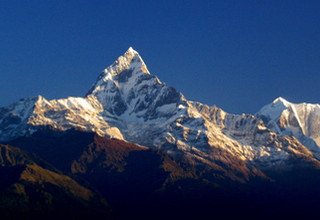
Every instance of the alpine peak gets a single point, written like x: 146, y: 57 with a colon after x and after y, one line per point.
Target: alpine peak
x: 130, y: 61
x: 122, y: 73
x: 281, y: 100
x: 131, y: 51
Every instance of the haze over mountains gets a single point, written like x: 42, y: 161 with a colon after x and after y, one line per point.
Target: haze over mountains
x: 132, y: 129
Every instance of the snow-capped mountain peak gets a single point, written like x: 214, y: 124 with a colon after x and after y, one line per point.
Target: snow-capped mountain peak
x: 122, y: 75
x: 281, y: 100
x: 126, y: 85
x: 275, y: 109
x: 130, y: 60
x: 301, y: 120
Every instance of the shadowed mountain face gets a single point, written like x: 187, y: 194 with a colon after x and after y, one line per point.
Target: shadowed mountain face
x: 28, y: 188
x: 139, y: 180
x: 80, y: 152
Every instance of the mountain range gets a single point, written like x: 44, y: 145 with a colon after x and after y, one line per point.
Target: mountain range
x: 133, y: 144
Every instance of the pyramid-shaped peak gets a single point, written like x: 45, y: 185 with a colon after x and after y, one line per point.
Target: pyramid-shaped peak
x: 274, y: 109
x: 124, y: 67
x: 129, y: 60
x: 281, y: 100
x: 131, y: 51
x: 132, y: 55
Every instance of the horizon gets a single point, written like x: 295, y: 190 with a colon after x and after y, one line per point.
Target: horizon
x: 245, y: 56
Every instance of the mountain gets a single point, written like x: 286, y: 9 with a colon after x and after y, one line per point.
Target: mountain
x: 31, y: 187
x: 141, y: 143
x: 129, y: 103
x: 299, y: 120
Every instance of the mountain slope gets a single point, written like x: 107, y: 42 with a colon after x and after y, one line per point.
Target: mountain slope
x: 299, y: 120
x: 28, y: 188
x: 140, y: 181
x: 132, y: 177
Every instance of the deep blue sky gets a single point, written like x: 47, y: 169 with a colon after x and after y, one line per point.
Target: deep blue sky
x: 238, y: 55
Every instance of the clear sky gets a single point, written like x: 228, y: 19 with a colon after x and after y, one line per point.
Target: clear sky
x: 238, y: 55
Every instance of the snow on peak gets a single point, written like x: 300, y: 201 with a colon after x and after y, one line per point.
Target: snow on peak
x: 301, y: 120
x: 131, y: 51
x: 274, y: 110
x: 282, y: 101
x: 128, y: 66
x: 119, y: 81
x: 130, y: 60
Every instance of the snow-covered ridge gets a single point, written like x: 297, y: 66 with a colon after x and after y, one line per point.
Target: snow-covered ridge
x: 128, y: 102
x: 300, y: 120
x: 24, y: 117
